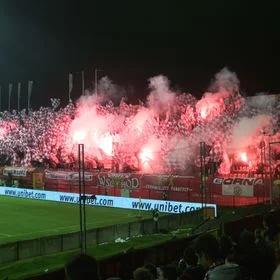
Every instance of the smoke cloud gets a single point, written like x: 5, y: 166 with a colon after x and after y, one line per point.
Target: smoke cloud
x: 222, y: 91
x: 247, y: 129
x: 161, y: 98
x: 110, y: 91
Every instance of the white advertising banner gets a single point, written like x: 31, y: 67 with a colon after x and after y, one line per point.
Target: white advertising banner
x: 67, y: 175
x: 175, y: 207
x: 15, y: 171
x: 238, y: 186
x: 238, y: 190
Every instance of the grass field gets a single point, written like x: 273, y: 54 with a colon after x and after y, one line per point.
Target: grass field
x: 26, y: 219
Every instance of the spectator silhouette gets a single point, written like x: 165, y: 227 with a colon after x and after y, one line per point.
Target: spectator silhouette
x: 259, y: 239
x: 276, y: 274
x: 188, y: 267
x: 266, y: 255
x: 169, y: 272
x: 82, y: 267
x: 249, y: 256
x: 207, y: 248
x: 152, y: 269
x: 271, y: 230
x: 142, y: 273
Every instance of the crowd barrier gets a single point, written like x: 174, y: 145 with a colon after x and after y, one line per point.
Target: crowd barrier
x: 19, y: 250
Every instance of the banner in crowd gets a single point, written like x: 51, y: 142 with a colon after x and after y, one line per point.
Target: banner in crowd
x: 131, y: 180
x: 67, y: 175
x: 119, y: 180
x: 238, y: 186
x: 150, y: 182
x: 168, y: 183
x: 238, y: 190
x: 15, y: 171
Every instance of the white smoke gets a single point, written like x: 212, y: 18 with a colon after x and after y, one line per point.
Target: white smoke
x: 263, y: 102
x: 110, y: 91
x: 225, y: 81
x: 222, y: 91
x: 161, y: 97
x: 247, y: 129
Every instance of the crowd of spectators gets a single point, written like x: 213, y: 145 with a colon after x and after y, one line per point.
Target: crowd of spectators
x: 254, y: 256
x: 42, y: 137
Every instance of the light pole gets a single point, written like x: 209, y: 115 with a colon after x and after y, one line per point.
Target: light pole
x: 263, y: 169
x: 202, y: 175
x: 82, y: 199
x: 270, y: 168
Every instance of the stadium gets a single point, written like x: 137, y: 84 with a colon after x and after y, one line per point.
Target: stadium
x: 183, y: 157
x: 139, y: 141
x: 172, y: 147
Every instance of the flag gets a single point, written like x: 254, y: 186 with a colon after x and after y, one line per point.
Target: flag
x: 30, y: 85
x: 18, y: 99
x: 10, y: 93
x: 83, y: 83
x: 70, y: 86
x: 238, y: 190
x: 0, y: 98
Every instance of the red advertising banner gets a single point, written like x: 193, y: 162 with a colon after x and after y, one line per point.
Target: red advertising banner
x: 169, y: 183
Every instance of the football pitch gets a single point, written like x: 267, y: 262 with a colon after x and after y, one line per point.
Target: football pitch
x: 23, y: 219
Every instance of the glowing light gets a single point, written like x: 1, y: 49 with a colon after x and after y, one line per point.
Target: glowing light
x: 3, y: 132
x: 204, y: 112
x: 146, y: 155
x: 79, y: 136
x: 105, y: 143
x: 243, y: 156
x: 209, y: 107
x: 6, y: 127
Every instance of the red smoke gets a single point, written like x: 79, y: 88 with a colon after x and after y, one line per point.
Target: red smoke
x: 164, y: 134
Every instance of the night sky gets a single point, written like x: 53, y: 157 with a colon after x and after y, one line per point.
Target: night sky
x: 134, y: 40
